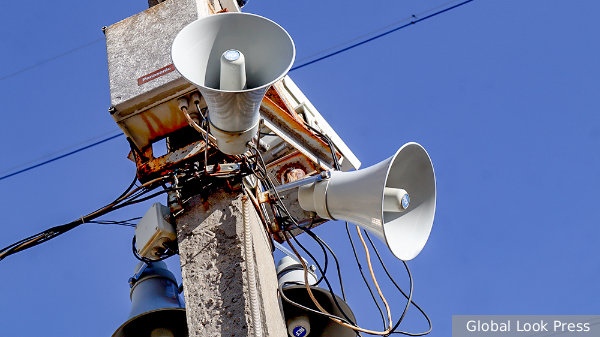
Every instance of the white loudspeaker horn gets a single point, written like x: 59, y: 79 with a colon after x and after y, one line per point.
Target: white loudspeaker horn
x: 233, y: 59
x: 394, y: 199
x: 155, y: 307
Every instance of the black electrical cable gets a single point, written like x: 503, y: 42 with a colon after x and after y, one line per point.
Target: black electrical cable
x: 50, y: 59
x: 57, y: 152
x: 285, y: 298
x: 133, y: 199
x: 325, y: 257
x: 292, y: 69
x: 409, y: 297
x: 280, y: 207
x: 336, y: 163
x: 323, y: 271
x: 143, y: 199
x: 271, y: 186
x: 125, y: 224
x: 325, y: 277
x: 410, y: 18
x: 364, y: 278
x: 128, y: 188
x: 115, y: 222
x: 167, y: 254
x: 280, y: 288
x: 60, y: 157
x: 326, y: 282
x: 201, y: 112
x: 262, y: 174
x: 316, y: 262
x: 127, y: 198
x: 337, y: 264
x: 377, y: 36
x: 37, y: 239
x: 122, y: 196
x: 337, y: 166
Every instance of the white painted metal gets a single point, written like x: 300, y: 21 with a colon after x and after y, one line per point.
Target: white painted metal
x: 301, y: 182
x: 296, y: 144
x: 358, y: 196
x: 290, y: 270
x: 269, y: 53
x: 314, y: 118
x: 231, y: 5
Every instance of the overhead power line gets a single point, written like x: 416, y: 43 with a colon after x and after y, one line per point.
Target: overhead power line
x: 60, y: 157
x: 304, y: 64
x: 129, y: 197
x: 414, y: 17
x: 378, y: 36
x: 50, y: 59
x: 56, y: 152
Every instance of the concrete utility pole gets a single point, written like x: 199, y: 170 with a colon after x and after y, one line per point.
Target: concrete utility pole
x: 215, y: 271
x: 214, y: 267
x: 226, y: 293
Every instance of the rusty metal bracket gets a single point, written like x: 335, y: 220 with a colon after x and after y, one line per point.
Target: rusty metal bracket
x: 263, y: 197
x: 154, y: 167
x: 294, y: 132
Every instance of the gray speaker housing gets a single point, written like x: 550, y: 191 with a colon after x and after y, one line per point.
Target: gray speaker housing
x: 357, y: 197
x: 319, y: 326
x: 269, y: 54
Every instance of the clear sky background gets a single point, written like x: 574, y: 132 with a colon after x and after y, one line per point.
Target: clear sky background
x: 504, y: 95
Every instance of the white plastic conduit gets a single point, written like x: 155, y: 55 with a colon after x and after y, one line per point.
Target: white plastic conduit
x: 250, y: 268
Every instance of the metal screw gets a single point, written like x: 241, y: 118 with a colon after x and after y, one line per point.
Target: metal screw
x: 112, y: 109
x: 104, y: 29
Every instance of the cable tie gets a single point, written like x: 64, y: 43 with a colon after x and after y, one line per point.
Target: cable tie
x: 82, y: 221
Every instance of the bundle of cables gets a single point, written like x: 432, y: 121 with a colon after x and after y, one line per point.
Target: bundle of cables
x: 287, y: 222
x: 284, y: 219
x: 129, y: 197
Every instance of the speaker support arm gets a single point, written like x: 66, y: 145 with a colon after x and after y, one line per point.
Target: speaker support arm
x: 301, y: 182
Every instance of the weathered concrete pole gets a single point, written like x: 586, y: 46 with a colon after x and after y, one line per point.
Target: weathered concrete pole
x: 214, y: 272
x: 211, y: 246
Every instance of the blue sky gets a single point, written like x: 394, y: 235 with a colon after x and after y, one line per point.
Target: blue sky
x: 504, y: 95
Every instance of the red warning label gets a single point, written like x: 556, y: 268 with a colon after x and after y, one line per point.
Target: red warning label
x: 156, y: 74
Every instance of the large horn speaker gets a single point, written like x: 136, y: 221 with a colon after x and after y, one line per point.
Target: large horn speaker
x: 155, y: 307
x: 303, y: 323
x: 395, y: 199
x: 233, y: 58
